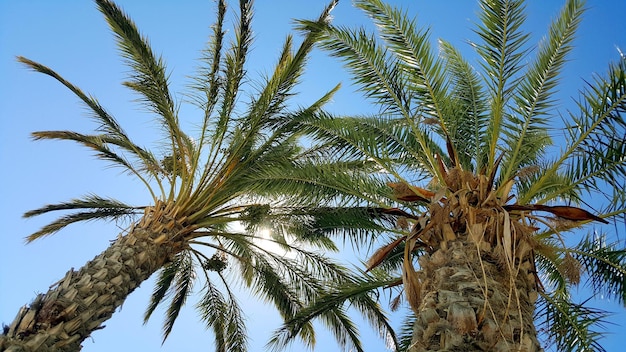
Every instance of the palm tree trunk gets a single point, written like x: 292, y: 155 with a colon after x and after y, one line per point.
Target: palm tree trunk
x: 472, y: 302
x: 79, y: 303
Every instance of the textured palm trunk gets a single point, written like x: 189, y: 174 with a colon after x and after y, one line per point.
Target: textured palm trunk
x: 471, y: 302
x: 79, y: 303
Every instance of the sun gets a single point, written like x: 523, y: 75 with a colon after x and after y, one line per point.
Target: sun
x: 264, y: 238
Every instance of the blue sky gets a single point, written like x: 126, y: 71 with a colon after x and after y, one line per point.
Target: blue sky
x: 72, y: 38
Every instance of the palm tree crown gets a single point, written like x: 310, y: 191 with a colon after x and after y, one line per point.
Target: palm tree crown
x: 481, y: 144
x: 246, y: 166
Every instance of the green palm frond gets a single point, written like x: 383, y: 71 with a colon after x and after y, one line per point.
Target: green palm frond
x: 162, y: 286
x: 375, y: 72
x: 224, y: 80
x: 572, y: 326
x: 466, y: 117
x: 224, y: 317
x: 271, y: 100
x: 381, y: 74
x: 502, y: 51
x: 568, y: 325
x: 315, y: 183
x: 97, y: 143
x: 388, y: 142
x: 98, y: 208
x: 370, y: 308
x: 106, y: 122
x: 525, y: 131
x: 605, y: 266
x: 208, y: 81
x: 88, y: 202
x: 419, y: 64
x: 556, y: 183
x: 405, y: 335
x: 148, y: 76
x: 234, y: 64
x: 594, y: 156
x: 329, y: 308
x: 597, y: 135
x: 278, y: 280
x: 356, y: 224
x: 183, y: 284
x: 236, y: 334
x: 64, y: 221
x: 344, y: 329
x: 112, y: 131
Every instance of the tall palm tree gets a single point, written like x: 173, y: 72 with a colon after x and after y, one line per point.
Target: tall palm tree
x: 486, y: 179
x: 201, y: 188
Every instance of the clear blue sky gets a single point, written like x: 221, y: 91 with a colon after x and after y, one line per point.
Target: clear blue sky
x: 72, y: 38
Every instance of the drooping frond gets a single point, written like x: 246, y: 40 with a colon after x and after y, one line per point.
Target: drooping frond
x: 236, y: 335
x: 330, y: 309
x: 605, y: 266
x: 97, y: 208
x: 98, y: 143
x: 343, y: 328
x: 162, y: 286
x: 183, y: 284
x: 568, y: 325
x: 405, y: 335
x: 112, y: 131
x: 370, y: 309
x: 276, y: 280
x: 224, y: 317
x: 106, y: 122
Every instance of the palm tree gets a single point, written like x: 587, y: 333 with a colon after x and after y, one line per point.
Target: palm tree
x: 483, y: 179
x: 201, y: 188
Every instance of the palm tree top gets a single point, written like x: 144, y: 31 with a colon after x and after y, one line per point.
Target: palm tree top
x: 245, y: 165
x: 470, y: 148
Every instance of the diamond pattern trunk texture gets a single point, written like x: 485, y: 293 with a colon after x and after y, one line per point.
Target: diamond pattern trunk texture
x: 79, y: 303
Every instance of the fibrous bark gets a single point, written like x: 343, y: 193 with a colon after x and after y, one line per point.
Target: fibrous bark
x: 476, y: 285
x: 78, y: 304
x: 468, y: 303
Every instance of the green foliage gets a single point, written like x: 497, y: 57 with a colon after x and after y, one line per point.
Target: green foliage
x: 249, y: 167
x: 246, y: 167
x: 605, y: 265
x: 496, y: 120
x: 570, y: 325
x: 331, y: 308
